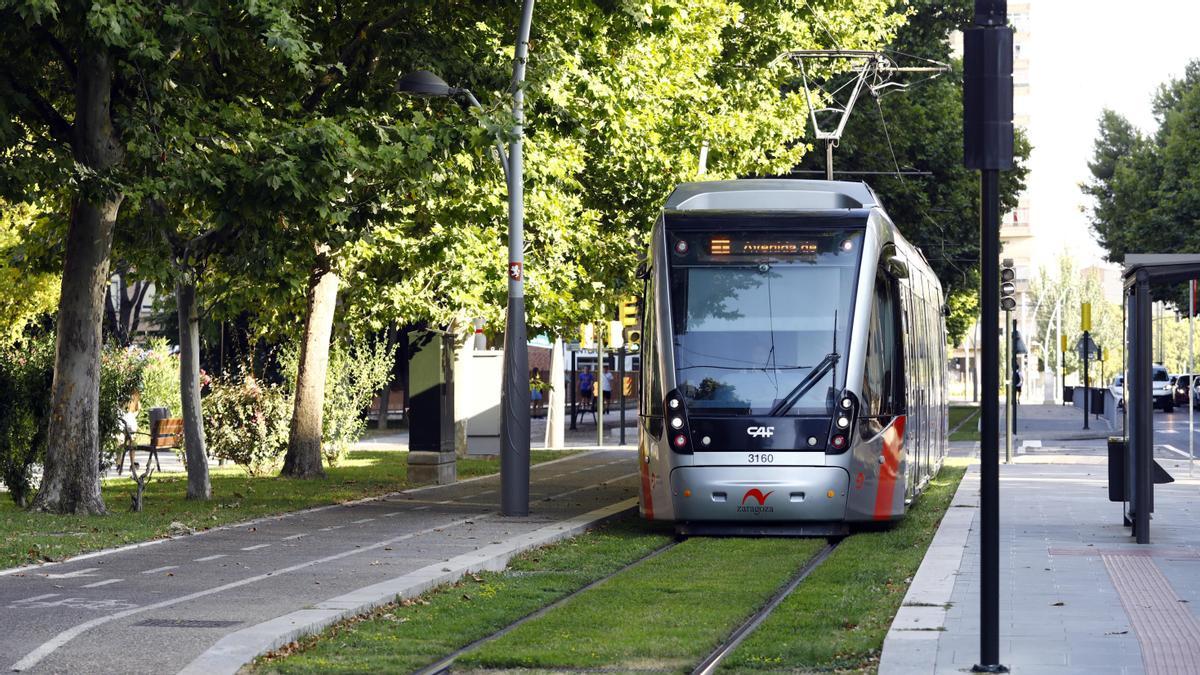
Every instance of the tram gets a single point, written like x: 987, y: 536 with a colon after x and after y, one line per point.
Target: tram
x: 793, y: 361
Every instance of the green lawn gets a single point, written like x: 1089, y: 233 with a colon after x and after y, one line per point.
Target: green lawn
x: 406, y: 636
x: 32, y: 537
x: 964, y: 423
x: 666, y: 614
x: 836, y: 620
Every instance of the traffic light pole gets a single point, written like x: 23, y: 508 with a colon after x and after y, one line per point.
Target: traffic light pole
x: 1009, y: 408
x: 988, y: 147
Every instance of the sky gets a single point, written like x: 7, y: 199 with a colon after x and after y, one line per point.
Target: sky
x: 1087, y: 55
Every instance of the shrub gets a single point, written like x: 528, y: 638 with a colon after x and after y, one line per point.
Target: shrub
x: 160, y: 381
x: 26, y: 375
x: 26, y: 372
x: 354, y: 374
x: 247, y: 422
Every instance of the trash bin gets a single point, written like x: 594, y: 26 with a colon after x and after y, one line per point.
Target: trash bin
x: 1118, y: 451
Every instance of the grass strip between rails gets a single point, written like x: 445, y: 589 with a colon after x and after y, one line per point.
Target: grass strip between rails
x: 666, y: 614
x: 415, y: 633
x: 35, y: 537
x: 964, y: 423
x: 837, y: 619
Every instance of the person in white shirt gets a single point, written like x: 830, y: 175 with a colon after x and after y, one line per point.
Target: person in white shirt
x: 606, y: 384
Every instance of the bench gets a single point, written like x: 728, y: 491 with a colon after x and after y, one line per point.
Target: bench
x: 165, y: 434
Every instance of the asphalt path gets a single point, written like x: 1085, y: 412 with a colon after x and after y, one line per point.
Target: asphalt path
x: 155, y: 608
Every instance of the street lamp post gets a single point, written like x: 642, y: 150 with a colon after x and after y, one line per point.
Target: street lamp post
x: 514, y: 401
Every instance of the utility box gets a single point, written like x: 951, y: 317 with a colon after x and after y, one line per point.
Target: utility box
x: 431, y: 456
x: 477, y: 400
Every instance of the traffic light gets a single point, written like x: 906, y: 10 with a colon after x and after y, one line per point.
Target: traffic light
x: 1008, y: 287
x: 627, y: 312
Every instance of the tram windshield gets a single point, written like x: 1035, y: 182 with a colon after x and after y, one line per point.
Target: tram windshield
x: 761, y: 318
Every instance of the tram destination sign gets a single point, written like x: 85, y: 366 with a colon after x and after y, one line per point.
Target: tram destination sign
x: 720, y: 246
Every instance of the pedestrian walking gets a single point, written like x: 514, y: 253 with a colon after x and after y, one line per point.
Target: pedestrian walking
x: 606, y: 385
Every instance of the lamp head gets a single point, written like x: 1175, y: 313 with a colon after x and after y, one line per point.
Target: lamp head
x: 424, y: 83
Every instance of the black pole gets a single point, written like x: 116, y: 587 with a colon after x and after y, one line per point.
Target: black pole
x: 989, y: 606
x: 1012, y: 390
x: 1143, y: 413
x: 988, y: 146
x: 1086, y: 391
x: 621, y: 384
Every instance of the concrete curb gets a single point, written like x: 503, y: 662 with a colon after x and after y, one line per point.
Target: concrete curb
x: 237, y: 649
x: 911, y: 642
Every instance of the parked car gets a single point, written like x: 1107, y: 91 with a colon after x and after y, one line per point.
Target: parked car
x: 1183, y: 386
x: 1118, y: 390
x: 1164, y: 393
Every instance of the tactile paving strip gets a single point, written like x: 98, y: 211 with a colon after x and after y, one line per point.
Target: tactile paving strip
x: 1166, y: 629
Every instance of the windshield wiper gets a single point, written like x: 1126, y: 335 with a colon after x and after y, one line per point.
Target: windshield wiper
x: 815, y: 375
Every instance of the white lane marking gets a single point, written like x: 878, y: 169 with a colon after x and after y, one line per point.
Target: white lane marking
x: 210, y: 557
x: 295, y: 536
x: 593, y: 485
x: 422, y: 508
x: 164, y: 568
x: 46, y: 648
x: 255, y: 547
x: 485, y: 492
x: 445, y: 501
x: 77, y: 573
x: 38, y: 597
x: 1174, y: 450
x: 331, y: 527
x: 361, y: 520
x: 106, y: 582
x: 393, y: 513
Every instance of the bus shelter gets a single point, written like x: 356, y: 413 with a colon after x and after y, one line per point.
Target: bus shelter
x: 1141, y: 471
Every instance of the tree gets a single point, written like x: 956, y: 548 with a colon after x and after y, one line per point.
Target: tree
x: 920, y: 129
x: 28, y: 286
x: 1146, y: 189
x: 71, y: 90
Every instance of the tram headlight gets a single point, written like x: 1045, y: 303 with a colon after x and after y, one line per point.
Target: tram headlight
x: 680, y: 440
x: 673, y: 404
x: 847, y: 403
x: 838, y: 442
x: 843, y: 422
x: 676, y: 422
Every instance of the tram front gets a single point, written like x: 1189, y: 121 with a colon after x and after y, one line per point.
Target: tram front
x: 754, y: 312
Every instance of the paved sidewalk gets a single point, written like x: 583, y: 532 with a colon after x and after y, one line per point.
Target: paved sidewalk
x: 217, y: 599
x: 1076, y: 595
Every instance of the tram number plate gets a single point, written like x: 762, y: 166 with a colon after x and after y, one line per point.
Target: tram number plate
x: 761, y: 458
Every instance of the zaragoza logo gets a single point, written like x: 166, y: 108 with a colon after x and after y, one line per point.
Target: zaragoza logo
x: 759, y: 497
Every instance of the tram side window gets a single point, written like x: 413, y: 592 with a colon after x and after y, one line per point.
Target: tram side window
x: 652, y: 397
x: 882, y: 378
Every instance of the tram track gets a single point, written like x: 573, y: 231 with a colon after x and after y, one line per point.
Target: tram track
x: 445, y: 664
x: 713, y: 660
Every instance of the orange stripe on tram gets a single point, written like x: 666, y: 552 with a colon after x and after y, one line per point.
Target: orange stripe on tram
x: 889, y: 471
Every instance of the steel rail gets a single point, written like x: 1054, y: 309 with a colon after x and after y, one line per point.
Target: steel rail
x: 714, y: 659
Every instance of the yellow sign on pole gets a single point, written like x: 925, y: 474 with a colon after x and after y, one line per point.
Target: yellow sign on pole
x: 1085, y: 317
x: 1063, y: 340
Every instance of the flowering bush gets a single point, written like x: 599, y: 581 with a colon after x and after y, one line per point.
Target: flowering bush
x: 246, y: 422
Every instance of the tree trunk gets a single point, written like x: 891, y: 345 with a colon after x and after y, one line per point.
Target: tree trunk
x: 189, y: 388
x: 303, y: 458
x: 71, y: 477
